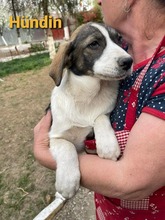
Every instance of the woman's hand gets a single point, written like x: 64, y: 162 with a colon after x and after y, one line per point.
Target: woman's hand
x: 41, y: 142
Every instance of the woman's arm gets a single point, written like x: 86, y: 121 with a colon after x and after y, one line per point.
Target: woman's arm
x: 141, y: 169
x: 137, y: 174
x: 41, y: 142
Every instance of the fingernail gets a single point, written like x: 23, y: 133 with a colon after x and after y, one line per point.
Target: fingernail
x: 48, y: 109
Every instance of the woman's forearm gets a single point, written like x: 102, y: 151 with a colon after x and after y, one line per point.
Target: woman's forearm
x: 133, y: 176
x: 101, y: 175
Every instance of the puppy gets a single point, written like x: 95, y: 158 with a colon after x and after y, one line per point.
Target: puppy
x: 86, y: 71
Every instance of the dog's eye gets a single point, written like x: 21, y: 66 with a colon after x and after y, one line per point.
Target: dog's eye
x: 94, y: 45
x: 119, y: 40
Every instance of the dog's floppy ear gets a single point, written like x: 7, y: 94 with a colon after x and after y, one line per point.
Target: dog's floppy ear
x: 59, y: 62
x: 63, y: 58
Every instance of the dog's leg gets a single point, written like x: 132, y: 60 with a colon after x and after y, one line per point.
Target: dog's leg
x: 67, y: 172
x: 106, y: 142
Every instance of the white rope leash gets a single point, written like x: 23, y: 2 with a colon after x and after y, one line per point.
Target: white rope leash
x: 49, y: 212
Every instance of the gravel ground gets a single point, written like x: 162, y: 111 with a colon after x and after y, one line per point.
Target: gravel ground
x: 80, y: 207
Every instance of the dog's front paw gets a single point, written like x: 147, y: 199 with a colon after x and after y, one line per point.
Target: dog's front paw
x: 108, y: 147
x: 67, y: 181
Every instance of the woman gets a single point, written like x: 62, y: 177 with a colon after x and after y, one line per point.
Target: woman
x: 133, y: 186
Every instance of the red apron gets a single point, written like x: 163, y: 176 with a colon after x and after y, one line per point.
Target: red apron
x: 150, y: 208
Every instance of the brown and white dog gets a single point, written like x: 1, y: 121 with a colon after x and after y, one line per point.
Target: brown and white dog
x: 86, y: 71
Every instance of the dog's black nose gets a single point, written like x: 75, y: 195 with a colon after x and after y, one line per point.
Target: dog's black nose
x: 125, y: 63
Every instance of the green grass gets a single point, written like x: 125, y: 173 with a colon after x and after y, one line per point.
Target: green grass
x: 24, y: 64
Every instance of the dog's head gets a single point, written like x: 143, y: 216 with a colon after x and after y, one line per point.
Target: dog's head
x: 92, y: 50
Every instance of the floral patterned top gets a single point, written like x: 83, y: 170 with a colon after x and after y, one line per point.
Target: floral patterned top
x: 150, y: 98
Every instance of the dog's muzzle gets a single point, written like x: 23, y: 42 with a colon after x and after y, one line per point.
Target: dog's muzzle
x: 125, y: 63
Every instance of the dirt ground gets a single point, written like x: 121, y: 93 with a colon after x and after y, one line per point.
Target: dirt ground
x: 25, y: 186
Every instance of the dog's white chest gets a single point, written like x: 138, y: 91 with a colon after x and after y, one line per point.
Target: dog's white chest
x: 80, y: 104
